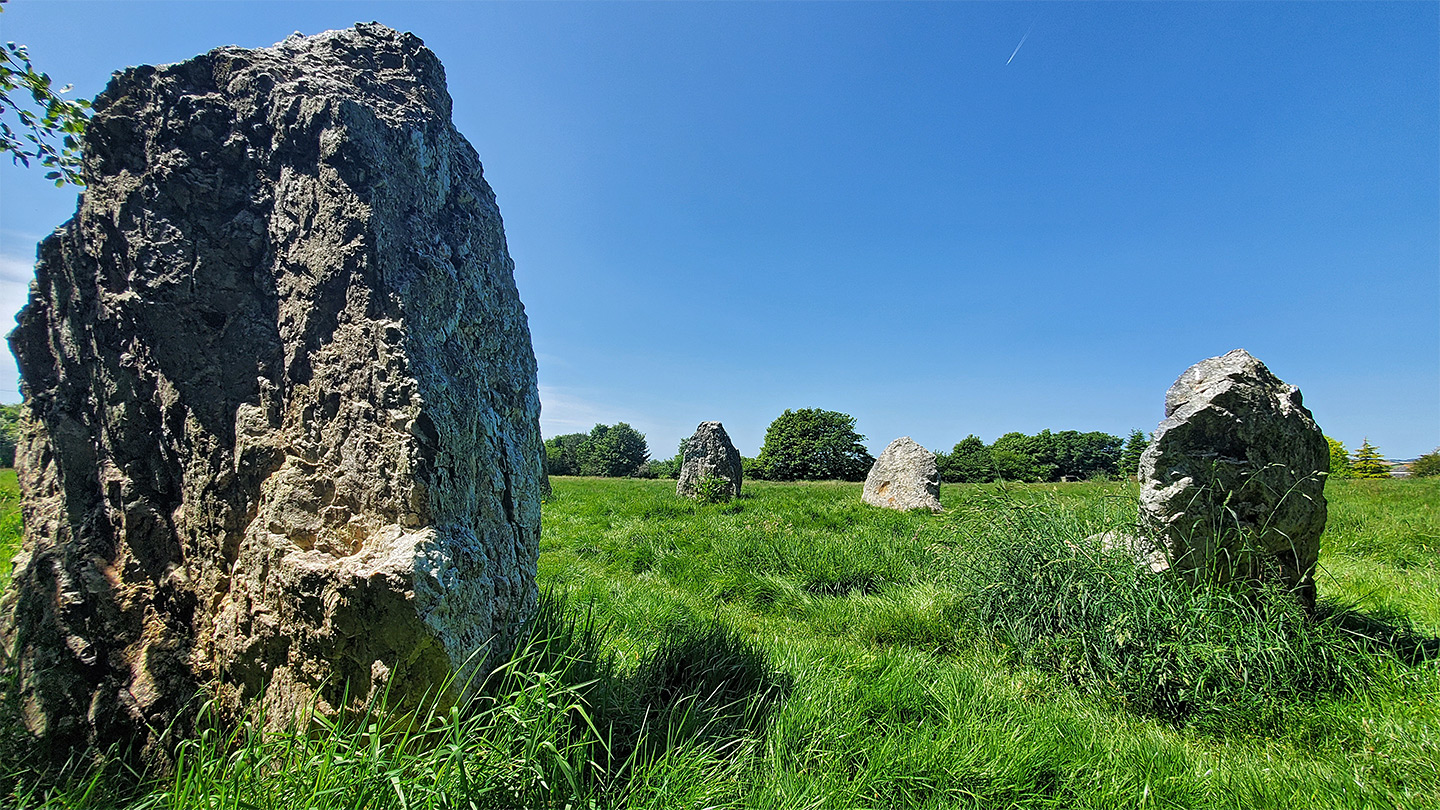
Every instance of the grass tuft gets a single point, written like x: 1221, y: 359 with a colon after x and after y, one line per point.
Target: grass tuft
x: 1039, y: 587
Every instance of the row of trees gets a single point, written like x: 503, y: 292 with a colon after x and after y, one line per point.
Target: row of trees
x: 1045, y: 456
x: 1367, y: 462
x: 811, y: 444
x: 1068, y: 454
x: 805, y: 445
x: 614, y: 452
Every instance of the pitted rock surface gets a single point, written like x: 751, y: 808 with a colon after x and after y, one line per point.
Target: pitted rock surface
x: 904, y: 477
x: 709, y: 453
x: 281, y: 422
x: 1232, y: 484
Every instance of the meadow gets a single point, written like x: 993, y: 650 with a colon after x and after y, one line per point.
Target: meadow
x: 795, y: 648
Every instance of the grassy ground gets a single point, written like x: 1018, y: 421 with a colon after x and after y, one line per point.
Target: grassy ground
x: 901, y: 699
x: 9, y: 523
x: 797, y: 649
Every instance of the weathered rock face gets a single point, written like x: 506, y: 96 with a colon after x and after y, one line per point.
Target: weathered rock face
x: 904, y: 477
x: 709, y: 453
x: 1232, y: 484
x: 281, y: 418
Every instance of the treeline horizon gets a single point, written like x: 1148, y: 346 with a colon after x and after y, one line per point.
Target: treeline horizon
x: 814, y: 444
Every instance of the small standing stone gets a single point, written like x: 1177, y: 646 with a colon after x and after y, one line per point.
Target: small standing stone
x: 904, y: 477
x: 1232, y: 484
x: 709, y: 453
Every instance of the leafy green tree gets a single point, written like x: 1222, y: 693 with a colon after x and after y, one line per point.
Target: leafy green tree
x: 614, y: 452
x: 1052, y: 456
x: 1427, y: 465
x: 562, y: 453
x: 1368, y: 463
x: 9, y: 433
x: 1014, y: 442
x: 1134, y: 448
x: 968, y: 462
x: 593, y: 461
x: 1012, y: 465
x: 814, y: 445
x: 1040, y: 448
x: 1080, y: 455
x: 40, y: 121
x: 1014, y: 456
x: 1339, y: 459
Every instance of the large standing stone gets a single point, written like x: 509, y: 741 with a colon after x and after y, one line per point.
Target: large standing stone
x: 281, y: 423
x: 709, y: 453
x: 904, y: 477
x: 1232, y: 484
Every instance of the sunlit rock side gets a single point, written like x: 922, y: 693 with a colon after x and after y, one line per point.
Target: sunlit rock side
x: 1232, y: 483
x: 709, y: 454
x: 281, y: 422
x: 904, y: 477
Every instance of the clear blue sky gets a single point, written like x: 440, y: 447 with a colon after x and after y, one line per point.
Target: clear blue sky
x: 719, y: 211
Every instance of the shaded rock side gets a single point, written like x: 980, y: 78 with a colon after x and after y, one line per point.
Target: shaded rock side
x: 709, y: 453
x: 904, y: 477
x: 281, y: 422
x: 1232, y: 484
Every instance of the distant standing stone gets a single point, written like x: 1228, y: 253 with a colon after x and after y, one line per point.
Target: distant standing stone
x: 1232, y: 484
x: 904, y: 477
x: 709, y: 453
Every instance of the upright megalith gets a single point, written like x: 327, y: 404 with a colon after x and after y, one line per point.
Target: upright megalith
x: 709, y: 454
x: 281, y: 433
x: 904, y: 477
x: 1232, y: 483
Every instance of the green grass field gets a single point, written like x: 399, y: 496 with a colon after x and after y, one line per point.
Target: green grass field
x: 9, y: 523
x: 797, y: 649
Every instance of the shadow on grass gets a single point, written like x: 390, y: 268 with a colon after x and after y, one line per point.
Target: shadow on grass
x: 702, y: 684
x: 1381, y: 631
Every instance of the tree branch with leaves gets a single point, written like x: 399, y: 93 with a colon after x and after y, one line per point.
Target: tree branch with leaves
x: 45, y: 127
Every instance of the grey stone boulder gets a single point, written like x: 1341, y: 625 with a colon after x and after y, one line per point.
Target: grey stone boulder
x: 709, y: 453
x: 1232, y: 483
x: 281, y: 439
x: 904, y: 477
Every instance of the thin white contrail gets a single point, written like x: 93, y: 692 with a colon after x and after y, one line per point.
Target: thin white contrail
x: 1022, y: 42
